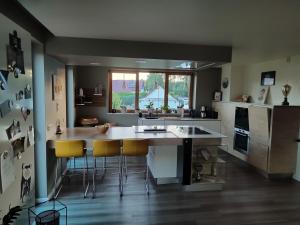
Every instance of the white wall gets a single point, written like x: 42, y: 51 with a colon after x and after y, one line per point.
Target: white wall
x: 286, y: 73
x: 246, y: 80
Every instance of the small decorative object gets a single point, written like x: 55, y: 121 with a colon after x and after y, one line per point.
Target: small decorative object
x: 203, y: 111
x: 217, y: 96
x: 245, y: 98
x: 286, y: 89
x: 12, y: 214
x: 262, y: 95
x: 180, y: 110
x: 268, y: 78
x: 51, y: 212
x: 225, y: 82
x: 123, y: 108
x: 103, y: 128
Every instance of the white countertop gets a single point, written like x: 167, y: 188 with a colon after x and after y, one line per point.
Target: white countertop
x: 181, y: 119
x: 119, y: 133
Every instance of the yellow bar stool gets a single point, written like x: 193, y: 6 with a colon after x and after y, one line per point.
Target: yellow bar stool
x: 69, y: 149
x: 105, y: 148
x: 133, y: 147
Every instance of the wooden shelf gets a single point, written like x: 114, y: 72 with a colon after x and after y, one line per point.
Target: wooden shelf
x: 89, y: 98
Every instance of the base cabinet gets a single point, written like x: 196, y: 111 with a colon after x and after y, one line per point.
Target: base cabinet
x: 258, y: 155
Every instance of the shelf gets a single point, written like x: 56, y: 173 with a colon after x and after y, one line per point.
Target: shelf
x: 89, y: 98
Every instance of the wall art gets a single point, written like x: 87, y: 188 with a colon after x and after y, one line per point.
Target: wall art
x: 5, y: 108
x: 57, y: 87
x: 20, y: 95
x: 30, y: 136
x: 18, y: 147
x: 15, y: 56
x: 25, y: 181
x: 25, y: 112
x: 262, y: 95
x: 13, y: 129
x: 7, y: 171
x: 268, y: 78
x: 3, y: 79
x: 27, y: 92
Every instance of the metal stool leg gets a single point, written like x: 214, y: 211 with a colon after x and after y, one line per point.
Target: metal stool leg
x: 121, y: 176
x: 94, y: 175
x: 85, y: 176
x: 147, y: 176
x: 56, y: 193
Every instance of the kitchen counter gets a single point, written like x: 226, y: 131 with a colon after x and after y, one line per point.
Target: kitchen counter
x: 180, y: 118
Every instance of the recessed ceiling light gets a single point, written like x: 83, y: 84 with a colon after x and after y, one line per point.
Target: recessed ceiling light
x: 95, y: 63
x: 141, y: 61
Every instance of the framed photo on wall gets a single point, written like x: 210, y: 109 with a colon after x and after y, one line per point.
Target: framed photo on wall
x: 217, y: 96
x: 268, y: 78
x: 262, y: 95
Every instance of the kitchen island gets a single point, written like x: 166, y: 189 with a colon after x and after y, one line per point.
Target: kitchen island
x: 196, y: 148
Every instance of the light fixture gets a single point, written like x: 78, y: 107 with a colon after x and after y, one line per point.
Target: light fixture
x: 95, y: 63
x: 141, y: 61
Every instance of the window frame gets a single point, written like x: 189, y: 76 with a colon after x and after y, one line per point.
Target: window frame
x: 137, y: 71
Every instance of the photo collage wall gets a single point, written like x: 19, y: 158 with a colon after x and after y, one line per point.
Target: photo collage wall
x: 16, y: 122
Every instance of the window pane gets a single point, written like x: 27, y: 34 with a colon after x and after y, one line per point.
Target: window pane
x: 151, y: 89
x: 179, y: 91
x: 123, y: 90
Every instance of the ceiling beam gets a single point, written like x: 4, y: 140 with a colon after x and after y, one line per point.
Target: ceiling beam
x: 59, y: 46
x: 17, y: 13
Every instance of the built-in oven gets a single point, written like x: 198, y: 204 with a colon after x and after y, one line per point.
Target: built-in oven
x: 241, y: 130
x: 241, y: 140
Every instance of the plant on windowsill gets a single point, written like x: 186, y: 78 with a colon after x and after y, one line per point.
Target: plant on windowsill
x: 165, y: 109
x: 150, y: 107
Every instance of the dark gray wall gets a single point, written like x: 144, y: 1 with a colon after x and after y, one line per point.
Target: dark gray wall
x: 89, y: 76
x: 208, y: 81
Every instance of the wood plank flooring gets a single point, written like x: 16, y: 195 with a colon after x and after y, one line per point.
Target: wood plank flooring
x: 248, y: 199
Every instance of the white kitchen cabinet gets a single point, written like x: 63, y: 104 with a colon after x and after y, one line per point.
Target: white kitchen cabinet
x: 162, y: 161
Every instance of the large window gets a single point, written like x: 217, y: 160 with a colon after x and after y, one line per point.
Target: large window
x: 136, y: 90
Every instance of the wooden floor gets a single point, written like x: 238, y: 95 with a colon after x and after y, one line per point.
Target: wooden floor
x: 248, y: 198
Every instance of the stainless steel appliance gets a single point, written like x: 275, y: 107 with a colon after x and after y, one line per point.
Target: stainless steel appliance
x: 241, y: 130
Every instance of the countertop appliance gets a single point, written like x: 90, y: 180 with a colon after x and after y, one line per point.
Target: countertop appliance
x: 241, y: 130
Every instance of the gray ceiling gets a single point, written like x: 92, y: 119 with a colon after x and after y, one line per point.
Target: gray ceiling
x: 257, y: 29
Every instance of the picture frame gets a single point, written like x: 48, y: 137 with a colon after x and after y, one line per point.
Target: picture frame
x: 262, y: 95
x: 268, y: 78
x: 218, y: 96
x: 56, y: 87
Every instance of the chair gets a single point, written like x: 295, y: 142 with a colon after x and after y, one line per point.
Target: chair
x: 105, y: 148
x: 133, y: 147
x: 69, y: 149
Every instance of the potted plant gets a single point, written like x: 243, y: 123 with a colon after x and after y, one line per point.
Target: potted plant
x: 165, y: 109
x: 150, y: 107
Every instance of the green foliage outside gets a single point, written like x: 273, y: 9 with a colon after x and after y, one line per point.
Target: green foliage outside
x: 123, y: 98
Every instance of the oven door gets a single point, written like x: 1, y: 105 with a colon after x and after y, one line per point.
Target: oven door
x: 241, y: 139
